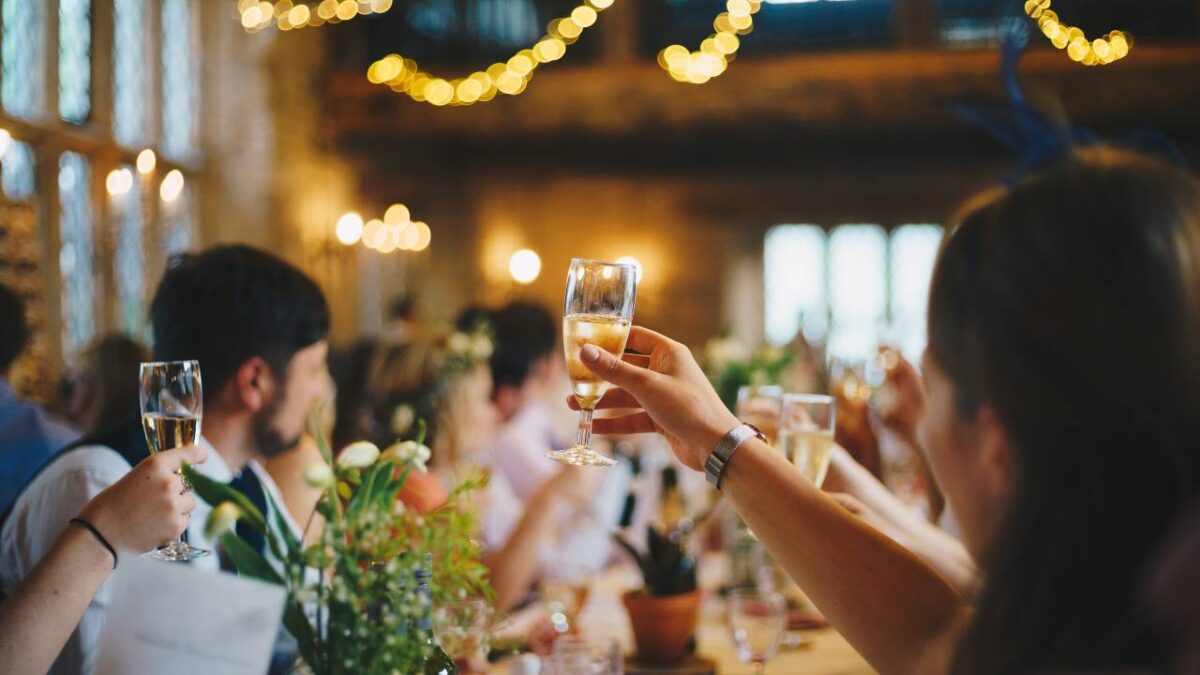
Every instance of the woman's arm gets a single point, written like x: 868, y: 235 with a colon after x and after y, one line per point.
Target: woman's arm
x: 867, y: 498
x: 144, y: 509
x: 897, y: 611
x: 515, y: 564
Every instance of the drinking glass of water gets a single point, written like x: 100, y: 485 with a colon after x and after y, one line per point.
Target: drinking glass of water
x: 757, y: 621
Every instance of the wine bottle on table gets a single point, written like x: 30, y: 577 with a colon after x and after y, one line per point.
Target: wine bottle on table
x: 438, y: 662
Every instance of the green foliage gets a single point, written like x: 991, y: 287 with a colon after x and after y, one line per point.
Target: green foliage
x: 359, y: 600
x: 730, y: 367
x: 666, y: 568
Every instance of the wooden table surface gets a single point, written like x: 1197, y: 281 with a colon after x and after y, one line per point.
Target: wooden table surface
x: 604, y: 616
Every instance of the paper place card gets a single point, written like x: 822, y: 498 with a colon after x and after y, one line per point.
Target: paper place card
x: 173, y: 618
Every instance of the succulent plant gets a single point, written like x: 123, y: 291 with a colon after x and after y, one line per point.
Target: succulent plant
x: 666, y: 568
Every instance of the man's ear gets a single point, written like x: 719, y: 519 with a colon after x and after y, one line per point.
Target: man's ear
x: 254, y: 384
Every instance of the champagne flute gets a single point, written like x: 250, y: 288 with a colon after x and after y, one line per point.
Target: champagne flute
x: 806, y: 433
x: 760, y: 406
x: 757, y: 622
x: 599, y: 311
x: 172, y: 407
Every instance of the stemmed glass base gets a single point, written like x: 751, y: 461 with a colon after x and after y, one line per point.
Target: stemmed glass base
x: 580, y: 456
x: 177, y: 551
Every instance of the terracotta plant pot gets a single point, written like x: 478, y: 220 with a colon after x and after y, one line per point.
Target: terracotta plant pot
x: 662, y: 626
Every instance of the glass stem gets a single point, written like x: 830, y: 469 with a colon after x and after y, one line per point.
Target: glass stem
x: 583, y: 438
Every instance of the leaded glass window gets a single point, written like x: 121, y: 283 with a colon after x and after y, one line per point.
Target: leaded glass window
x: 74, y: 60
x: 75, y: 256
x: 23, y: 86
x: 857, y: 290
x: 129, y: 73
x: 130, y: 259
x: 179, y: 227
x: 18, y: 169
x: 854, y: 287
x: 913, y: 251
x: 178, y: 79
x: 794, y: 264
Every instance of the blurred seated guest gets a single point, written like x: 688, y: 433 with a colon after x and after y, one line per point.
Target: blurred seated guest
x: 29, y: 437
x: 447, y: 383
x: 351, y: 370
x: 104, y: 387
x: 403, y: 321
x: 144, y: 509
x: 257, y: 326
x: 1065, y: 459
x: 525, y: 363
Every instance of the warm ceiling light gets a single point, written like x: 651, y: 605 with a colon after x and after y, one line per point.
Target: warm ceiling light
x: 349, y: 228
x: 424, y: 236
x: 146, y: 161
x: 524, y: 266
x: 397, y: 214
x: 172, y: 186
x: 637, y: 265
x: 119, y: 182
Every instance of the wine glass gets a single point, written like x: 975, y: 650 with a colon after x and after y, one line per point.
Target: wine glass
x: 603, y: 655
x: 172, y: 407
x: 756, y: 622
x: 598, y: 311
x: 760, y: 406
x: 462, y: 629
x: 806, y: 426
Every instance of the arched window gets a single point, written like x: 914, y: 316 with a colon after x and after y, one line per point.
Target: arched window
x: 75, y: 256
x: 74, y: 60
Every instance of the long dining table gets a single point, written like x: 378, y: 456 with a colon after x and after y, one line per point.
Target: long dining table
x: 820, y: 652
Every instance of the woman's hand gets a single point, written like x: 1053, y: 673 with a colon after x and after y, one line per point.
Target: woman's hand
x: 663, y: 390
x: 148, y: 506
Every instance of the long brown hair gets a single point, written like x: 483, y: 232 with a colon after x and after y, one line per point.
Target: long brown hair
x: 1069, y: 304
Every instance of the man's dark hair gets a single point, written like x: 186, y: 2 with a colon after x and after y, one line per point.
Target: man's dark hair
x: 523, y: 332
x: 473, y: 318
x: 14, y: 330
x: 231, y: 303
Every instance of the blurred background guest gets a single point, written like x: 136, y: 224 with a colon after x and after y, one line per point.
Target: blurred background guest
x: 102, y: 390
x: 29, y: 437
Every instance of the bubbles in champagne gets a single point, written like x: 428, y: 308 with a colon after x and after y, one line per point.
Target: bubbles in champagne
x: 606, y: 332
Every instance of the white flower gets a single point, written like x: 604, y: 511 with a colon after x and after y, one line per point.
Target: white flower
x: 481, y: 348
x: 358, y: 455
x: 407, y: 452
x: 719, y: 353
x: 458, y: 343
x: 402, y: 419
x: 221, y: 520
x: 318, y: 475
x: 398, y: 508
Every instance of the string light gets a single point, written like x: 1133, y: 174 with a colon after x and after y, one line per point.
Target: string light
x: 1101, y: 51
x: 257, y: 15
x: 717, y: 50
x: 349, y: 228
x: 404, y: 75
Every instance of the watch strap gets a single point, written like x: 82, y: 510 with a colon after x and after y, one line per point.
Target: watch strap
x: 718, y: 461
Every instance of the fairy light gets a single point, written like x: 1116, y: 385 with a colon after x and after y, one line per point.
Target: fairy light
x: 1098, y: 52
x: 257, y: 15
x: 511, y: 77
x: 712, y: 58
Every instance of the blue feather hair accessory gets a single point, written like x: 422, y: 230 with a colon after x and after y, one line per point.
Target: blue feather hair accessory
x: 1036, y: 139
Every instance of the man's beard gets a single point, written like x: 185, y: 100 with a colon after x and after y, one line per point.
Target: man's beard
x: 270, y: 442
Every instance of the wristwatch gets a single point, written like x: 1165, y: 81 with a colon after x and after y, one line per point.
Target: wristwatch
x: 714, y: 467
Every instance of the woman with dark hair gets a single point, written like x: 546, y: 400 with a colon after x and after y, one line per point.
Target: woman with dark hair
x: 1063, y: 425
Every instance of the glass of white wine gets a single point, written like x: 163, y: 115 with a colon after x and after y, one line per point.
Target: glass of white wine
x: 761, y: 406
x: 598, y: 311
x: 806, y: 424
x: 172, y: 407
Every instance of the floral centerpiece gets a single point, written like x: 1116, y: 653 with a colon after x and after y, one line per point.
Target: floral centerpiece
x: 361, y: 597
x: 730, y: 365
